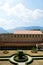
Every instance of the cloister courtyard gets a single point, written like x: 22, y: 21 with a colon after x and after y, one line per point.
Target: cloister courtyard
x: 11, y: 52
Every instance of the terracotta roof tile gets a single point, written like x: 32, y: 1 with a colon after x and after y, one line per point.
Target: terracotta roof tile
x: 27, y: 32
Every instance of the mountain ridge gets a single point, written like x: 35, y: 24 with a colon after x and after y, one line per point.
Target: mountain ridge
x: 21, y: 28
x: 2, y: 30
x: 26, y: 28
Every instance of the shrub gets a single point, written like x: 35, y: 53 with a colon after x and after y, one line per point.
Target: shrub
x: 5, y: 52
x: 21, y: 54
x: 34, y: 50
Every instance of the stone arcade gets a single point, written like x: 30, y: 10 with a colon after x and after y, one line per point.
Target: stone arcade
x: 22, y: 39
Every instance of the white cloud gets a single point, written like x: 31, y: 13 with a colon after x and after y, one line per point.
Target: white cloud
x: 37, y: 13
x: 6, y: 8
x: 6, y: 24
x: 21, y: 12
x: 9, y: 24
x: 0, y: 3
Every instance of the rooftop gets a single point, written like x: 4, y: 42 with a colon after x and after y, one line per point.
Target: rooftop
x: 27, y: 32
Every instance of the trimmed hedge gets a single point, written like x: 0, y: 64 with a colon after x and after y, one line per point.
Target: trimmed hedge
x: 21, y: 60
x: 16, y: 63
x: 5, y: 56
x: 29, y: 62
x: 13, y: 62
x: 37, y: 56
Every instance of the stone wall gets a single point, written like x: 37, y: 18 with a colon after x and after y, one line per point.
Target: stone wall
x: 21, y: 38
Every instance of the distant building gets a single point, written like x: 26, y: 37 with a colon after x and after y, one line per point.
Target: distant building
x: 22, y: 39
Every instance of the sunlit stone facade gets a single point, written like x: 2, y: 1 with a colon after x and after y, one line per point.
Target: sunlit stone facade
x: 21, y: 39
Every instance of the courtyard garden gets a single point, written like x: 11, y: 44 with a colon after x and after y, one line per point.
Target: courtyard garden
x: 10, y: 56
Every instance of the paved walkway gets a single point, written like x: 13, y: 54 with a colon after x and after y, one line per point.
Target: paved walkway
x: 22, y: 63
x: 37, y: 57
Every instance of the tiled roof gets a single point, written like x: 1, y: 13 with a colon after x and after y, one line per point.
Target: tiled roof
x: 27, y: 32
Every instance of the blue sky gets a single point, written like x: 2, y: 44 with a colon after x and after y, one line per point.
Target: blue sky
x: 16, y: 13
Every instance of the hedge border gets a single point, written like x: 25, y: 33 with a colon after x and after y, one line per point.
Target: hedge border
x: 21, y: 60
x: 25, y: 61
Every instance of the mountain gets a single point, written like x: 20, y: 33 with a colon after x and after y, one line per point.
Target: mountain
x: 2, y: 30
x: 30, y: 28
x: 21, y: 28
x: 10, y: 30
x: 26, y: 28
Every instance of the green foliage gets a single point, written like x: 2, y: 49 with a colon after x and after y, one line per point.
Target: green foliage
x: 5, y: 52
x: 7, y: 33
x: 34, y: 50
x: 25, y: 58
x: 21, y: 54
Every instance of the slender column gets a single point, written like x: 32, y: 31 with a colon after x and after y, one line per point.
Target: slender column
x: 37, y: 47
